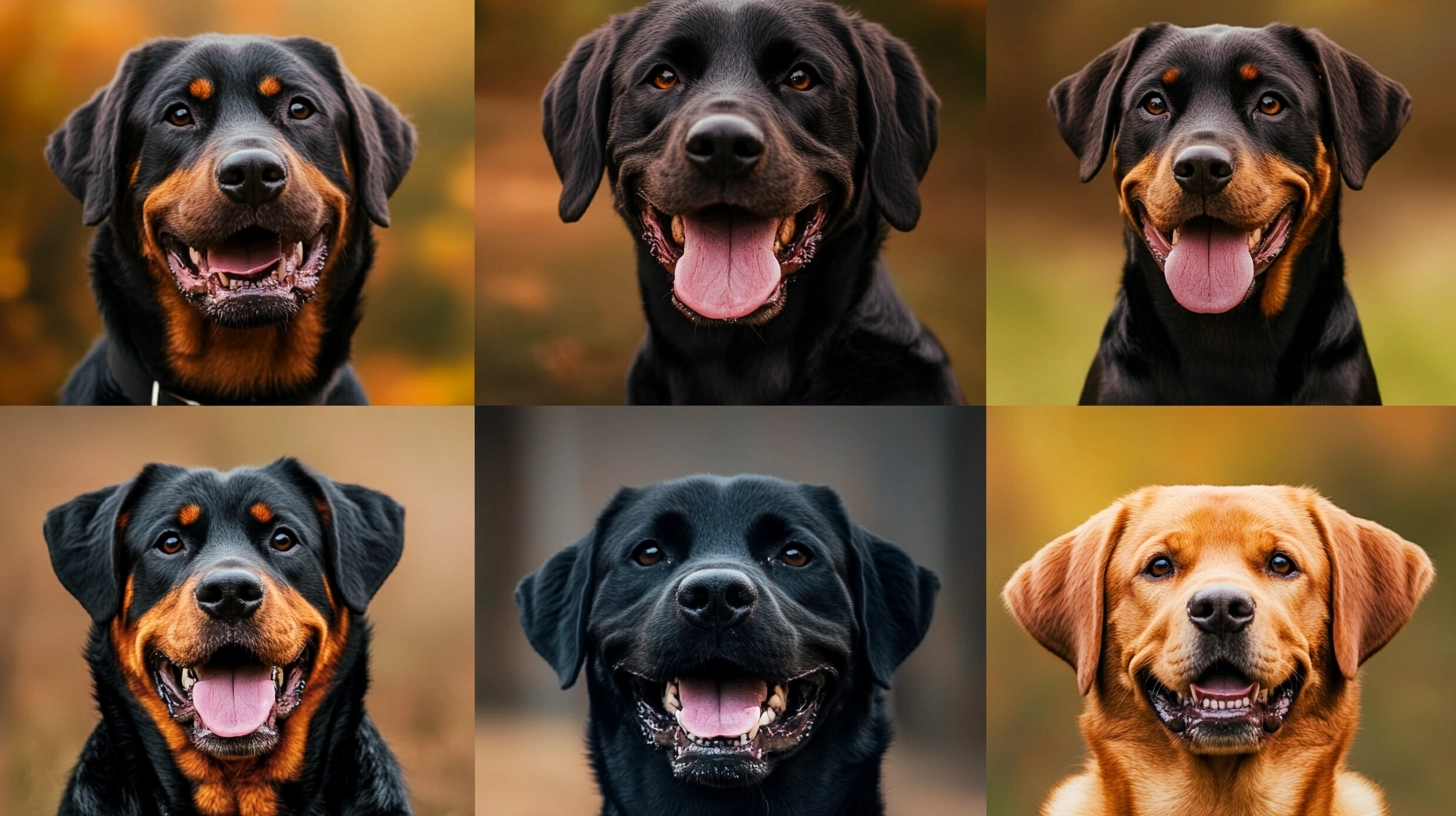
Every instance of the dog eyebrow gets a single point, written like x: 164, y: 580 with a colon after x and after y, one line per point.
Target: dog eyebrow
x: 261, y: 512
x: 270, y: 86
x: 200, y: 88
x: 1170, y: 76
x: 189, y: 514
x: 1249, y: 72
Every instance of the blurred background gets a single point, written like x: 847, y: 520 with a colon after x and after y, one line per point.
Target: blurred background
x: 559, y: 316
x: 421, y: 667
x: 1055, y: 247
x: 1049, y: 469
x: 912, y: 476
x: 415, y: 345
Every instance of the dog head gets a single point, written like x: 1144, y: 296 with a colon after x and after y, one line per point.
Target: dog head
x: 227, y: 597
x: 737, y: 136
x: 1219, y: 615
x: 728, y: 617
x: 242, y: 163
x: 1227, y: 143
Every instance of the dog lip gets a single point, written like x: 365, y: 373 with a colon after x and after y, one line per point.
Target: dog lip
x: 1267, y: 243
x: 175, y: 680
x: 1217, y: 698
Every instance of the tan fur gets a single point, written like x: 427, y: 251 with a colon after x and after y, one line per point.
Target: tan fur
x: 1084, y: 597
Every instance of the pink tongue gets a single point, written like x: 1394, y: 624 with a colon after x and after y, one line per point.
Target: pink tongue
x: 1210, y: 269
x: 252, y: 250
x: 726, y: 708
x: 233, y: 701
x: 727, y: 268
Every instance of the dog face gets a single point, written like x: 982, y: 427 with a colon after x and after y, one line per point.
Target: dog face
x: 728, y: 619
x: 240, y: 171
x: 226, y: 598
x: 1226, y: 143
x: 1233, y: 616
x: 737, y: 136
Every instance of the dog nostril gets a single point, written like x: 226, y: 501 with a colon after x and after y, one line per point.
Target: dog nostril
x: 693, y: 597
x: 231, y: 176
x: 739, y: 596
x: 701, y: 146
x: 748, y: 148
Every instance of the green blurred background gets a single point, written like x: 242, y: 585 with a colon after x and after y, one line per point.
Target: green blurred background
x: 1049, y: 469
x: 421, y: 655
x: 559, y: 316
x: 415, y: 344
x: 1055, y: 246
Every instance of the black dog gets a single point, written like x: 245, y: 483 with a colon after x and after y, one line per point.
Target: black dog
x: 234, y: 179
x: 229, y: 645
x: 737, y: 634
x: 1230, y: 143
x: 758, y: 150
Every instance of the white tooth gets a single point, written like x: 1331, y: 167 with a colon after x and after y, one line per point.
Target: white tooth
x: 1254, y: 238
x: 195, y: 256
x: 678, y: 234
x: 766, y: 717
x: 298, y: 253
x: 752, y: 732
x: 787, y: 227
x: 1244, y: 703
x: 224, y: 278
x: 188, y: 678
x: 1197, y: 700
x: 1177, y: 233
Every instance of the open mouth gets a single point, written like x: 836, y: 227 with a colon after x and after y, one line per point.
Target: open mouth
x: 1210, y: 265
x: 721, y: 727
x: 251, y: 263
x: 231, y: 705
x: 1224, y: 711
x: 729, y: 264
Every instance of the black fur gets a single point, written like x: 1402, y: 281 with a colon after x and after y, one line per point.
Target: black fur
x: 100, y: 540
x: 123, y: 129
x: 1312, y: 350
x: 862, y: 137
x: 858, y: 607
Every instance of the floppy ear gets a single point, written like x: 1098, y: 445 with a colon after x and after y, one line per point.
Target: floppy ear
x: 384, y: 141
x: 1378, y: 578
x: 1087, y: 104
x: 1367, y: 109
x: 899, y: 123
x: 86, y: 153
x: 556, y: 600
x: 1057, y: 595
x: 363, y: 532
x: 575, y: 110
x: 84, y: 538
x: 894, y: 599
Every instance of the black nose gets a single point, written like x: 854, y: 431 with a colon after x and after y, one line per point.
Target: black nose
x: 1203, y: 169
x: 254, y: 176
x: 1221, y: 610
x: 724, y: 146
x: 230, y: 595
x: 716, y: 598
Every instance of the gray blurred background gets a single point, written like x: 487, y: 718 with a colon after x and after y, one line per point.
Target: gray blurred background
x: 421, y: 666
x: 912, y: 475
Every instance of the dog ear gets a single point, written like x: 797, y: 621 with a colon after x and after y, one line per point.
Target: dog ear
x: 363, y: 531
x: 384, y: 141
x: 84, y: 538
x: 1087, y: 104
x: 555, y: 601
x: 899, y: 122
x: 1057, y: 595
x: 1378, y: 579
x: 87, y: 152
x: 1366, y: 108
x: 575, y: 110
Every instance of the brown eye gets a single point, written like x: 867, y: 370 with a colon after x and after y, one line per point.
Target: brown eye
x: 801, y: 80
x: 1281, y: 564
x: 794, y: 555
x: 179, y: 115
x: 169, y: 543
x: 1159, y: 567
x: 1155, y: 105
x: 664, y: 78
x: 282, y: 541
x: 300, y: 109
x: 1269, y: 105
x: 647, y: 553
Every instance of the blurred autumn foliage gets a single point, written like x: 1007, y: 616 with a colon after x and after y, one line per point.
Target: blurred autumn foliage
x: 415, y: 344
x: 559, y: 316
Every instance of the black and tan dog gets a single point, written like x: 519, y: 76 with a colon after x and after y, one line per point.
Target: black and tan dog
x: 229, y: 645
x: 234, y: 180
x: 1228, y: 146
x: 758, y: 151
x: 737, y: 635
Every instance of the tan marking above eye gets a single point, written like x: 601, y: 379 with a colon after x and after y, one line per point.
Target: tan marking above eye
x: 200, y: 88
x: 269, y: 86
x: 1170, y: 76
x: 261, y: 512
x: 189, y: 514
x: 1249, y: 72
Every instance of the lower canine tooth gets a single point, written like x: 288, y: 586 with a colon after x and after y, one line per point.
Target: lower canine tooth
x: 1177, y: 233
x: 678, y: 235
x: 195, y: 256
x: 787, y: 228
x: 752, y: 732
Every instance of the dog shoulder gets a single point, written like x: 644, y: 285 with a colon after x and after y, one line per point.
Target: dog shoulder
x: 1357, y: 796
x: 1079, y: 795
